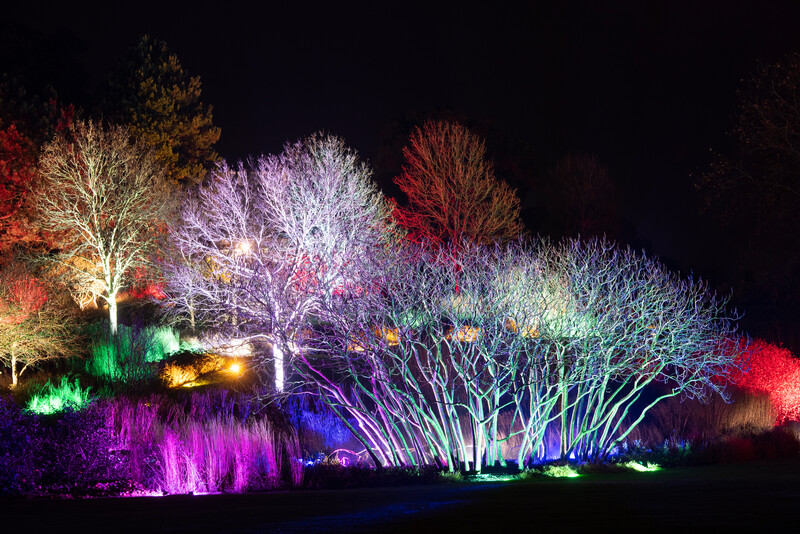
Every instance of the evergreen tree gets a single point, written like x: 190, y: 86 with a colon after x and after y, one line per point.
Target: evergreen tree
x: 150, y: 92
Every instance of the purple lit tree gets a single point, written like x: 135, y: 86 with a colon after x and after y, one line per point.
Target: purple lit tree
x: 262, y: 247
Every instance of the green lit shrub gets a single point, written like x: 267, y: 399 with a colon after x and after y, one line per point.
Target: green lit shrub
x: 128, y: 356
x: 67, y: 395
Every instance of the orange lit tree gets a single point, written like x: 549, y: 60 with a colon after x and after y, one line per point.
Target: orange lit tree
x: 452, y: 191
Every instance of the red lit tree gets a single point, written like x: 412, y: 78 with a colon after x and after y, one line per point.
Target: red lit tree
x: 452, y: 191
x: 35, y: 326
x: 25, y: 124
x: 775, y: 371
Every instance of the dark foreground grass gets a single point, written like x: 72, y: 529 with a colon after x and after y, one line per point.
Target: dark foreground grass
x: 749, y: 497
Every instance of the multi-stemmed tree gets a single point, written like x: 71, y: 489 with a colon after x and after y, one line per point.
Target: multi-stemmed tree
x: 444, y: 361
x: 102, y: 197
x: 263, y: 246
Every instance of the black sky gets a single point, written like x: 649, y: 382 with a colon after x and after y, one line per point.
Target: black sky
x: 648, y: 86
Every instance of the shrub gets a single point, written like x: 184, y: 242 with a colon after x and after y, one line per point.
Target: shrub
x: 128, y: 356
x: 66, y: 396
x: 774, y: 371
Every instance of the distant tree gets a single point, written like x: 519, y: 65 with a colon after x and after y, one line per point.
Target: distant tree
x: 103, y: 198
x: 452, y: 191
x: 755, y: 190
x: 151, y: 93
x: 581, y: 199
x: 261, y: 247
x: 35, y: 325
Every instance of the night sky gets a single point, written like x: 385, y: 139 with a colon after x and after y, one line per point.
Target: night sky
x: 650, y: 87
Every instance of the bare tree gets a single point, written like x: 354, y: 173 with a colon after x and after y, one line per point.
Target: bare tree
x: 581, y: 199
x: 104, y: 197
x: 452, y: 191
x: 35, y: 326
x: 261, y: 247
x: 447, y: 361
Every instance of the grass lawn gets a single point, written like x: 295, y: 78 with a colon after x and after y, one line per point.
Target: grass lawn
x: 735, y: 497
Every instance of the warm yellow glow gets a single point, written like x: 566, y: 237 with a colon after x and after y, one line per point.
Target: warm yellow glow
x: 391, y: 335
x: 466, y: 334
x: 235, y: 369
x: 526, y: 330
x: 243, y: 247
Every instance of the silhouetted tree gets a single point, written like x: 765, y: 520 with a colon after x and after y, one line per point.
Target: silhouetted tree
x: 755, y: 191
x: 581, y: 199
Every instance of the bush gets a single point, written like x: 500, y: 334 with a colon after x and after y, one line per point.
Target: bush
x: 127, y: 358
x: 66, y: 396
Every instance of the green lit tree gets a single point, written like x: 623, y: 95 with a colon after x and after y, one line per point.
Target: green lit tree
x: 150, y: 92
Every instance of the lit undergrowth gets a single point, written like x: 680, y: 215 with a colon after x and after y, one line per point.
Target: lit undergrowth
x: 125, y: 357
x: 642, y: 468
x: 560, y: 471
x: 52, y: 399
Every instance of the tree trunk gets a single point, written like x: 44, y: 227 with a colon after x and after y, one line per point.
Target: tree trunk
x: 112, y: 313
x: 277, y: 356
x: 13, y: 367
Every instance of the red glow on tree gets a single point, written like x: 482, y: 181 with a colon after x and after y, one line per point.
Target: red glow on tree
x: 775, y: 371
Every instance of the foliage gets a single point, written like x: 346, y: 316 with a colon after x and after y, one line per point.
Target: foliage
x: 127, y: 357
x: 66, y: 396
x: 67, y: 454
x: 150, y: 92
x: 104, y: 197
x: 26, y: 123
x: 768, y: 369
x: 35, y: 325
x: 451, y: 189
x: 260, y: 248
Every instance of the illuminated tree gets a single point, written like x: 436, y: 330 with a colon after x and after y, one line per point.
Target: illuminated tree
x: 640, y: 325
x: 103, y: 198
x: 452, y: 362
x: 26, y: 123
x: 151, y: 93
x: 35, y: 326
x: 262, y: 247
x: 452, y: 191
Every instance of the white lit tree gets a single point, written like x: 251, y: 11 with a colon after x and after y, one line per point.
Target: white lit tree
x: 103, y: 197
x: 271, y: 241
